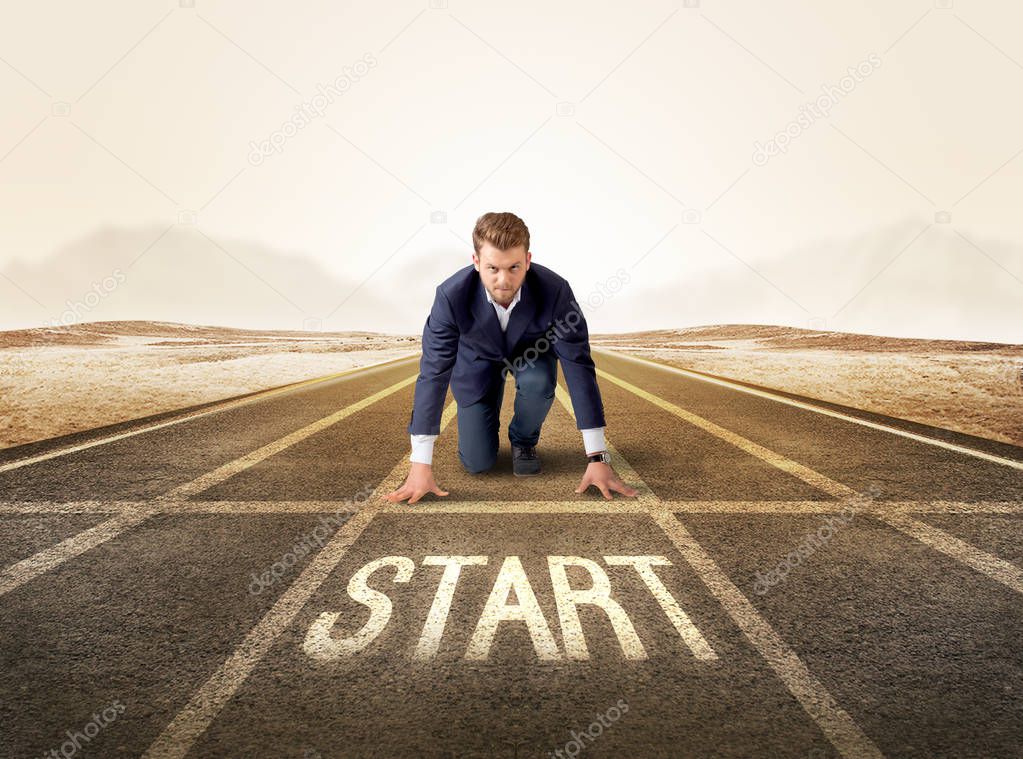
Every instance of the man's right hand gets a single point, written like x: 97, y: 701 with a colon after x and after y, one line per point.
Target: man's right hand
x: 418, y: 483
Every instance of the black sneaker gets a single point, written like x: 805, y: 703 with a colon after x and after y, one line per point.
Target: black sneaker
x: 525, y: 461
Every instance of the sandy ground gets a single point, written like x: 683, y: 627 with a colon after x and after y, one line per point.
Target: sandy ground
x: 67, y: 379
x: 970, y: 387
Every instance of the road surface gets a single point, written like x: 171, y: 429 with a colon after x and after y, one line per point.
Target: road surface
x: 794, y: 580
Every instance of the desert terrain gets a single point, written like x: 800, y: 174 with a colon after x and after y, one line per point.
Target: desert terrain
x: 970, y: 387
x: 59, y: 380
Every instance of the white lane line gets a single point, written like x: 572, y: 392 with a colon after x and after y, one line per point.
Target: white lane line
x: 231, y: 468
x: 21, y: 572
x: 191, y: 722
x: 997, y: 569
x: 836, y: 724
x: 777, y: 460
x: 12, y: 508
x: 585, y: 505
x: 262, y: 395
x: 178, y: 737
x: 825, y: 411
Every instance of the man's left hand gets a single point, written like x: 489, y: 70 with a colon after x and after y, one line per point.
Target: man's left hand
x: 603, y: 477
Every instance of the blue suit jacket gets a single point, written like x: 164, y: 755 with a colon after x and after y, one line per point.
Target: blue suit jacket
x: 463, y: 344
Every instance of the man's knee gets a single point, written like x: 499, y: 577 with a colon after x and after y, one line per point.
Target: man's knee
x: 536, y: 382
x: 478, y: 461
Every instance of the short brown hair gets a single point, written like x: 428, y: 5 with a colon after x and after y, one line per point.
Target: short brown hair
x: 502, y: 230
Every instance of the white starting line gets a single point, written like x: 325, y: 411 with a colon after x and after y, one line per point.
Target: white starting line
x: 586, y: 504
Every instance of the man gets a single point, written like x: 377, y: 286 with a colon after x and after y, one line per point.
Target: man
x: 500, y: 315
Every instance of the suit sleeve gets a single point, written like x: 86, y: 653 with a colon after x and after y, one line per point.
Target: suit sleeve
x: 440, y: 347
x: 573, y: 351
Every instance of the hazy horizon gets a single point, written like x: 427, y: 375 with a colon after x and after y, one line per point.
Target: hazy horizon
x: 180, y: 187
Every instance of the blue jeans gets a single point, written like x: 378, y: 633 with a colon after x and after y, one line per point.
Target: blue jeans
x: 479, y: 423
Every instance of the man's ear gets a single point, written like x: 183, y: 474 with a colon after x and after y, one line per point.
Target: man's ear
x: 476, y: 261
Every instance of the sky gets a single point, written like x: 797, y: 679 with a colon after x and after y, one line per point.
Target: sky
x: 320, y: 166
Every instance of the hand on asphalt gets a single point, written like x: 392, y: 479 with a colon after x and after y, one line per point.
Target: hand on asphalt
x: 604, y: 478
x: 418, y: 483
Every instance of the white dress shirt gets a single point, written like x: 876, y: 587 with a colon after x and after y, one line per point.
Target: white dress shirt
x: 422, y: 445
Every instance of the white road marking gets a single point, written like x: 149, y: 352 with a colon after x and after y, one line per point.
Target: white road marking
x: 433, y: 630
x: 69, y: 507
x: 586, y: 504
x: 997, y: 569
x: 777, y: 460
x: 821, y: 410
x: 322, y: 646
x: 599, y: 595
x: 498, y: 610
x: 223, y: 406
x: 21, y: 572
x: 686, y: 629
x: 622, y: 505
x: 843, y: 732
x: 177, y: 738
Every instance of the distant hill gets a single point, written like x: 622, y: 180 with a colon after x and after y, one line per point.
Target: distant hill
x: 138, y: 331
x: 170, y: 275
x: 887, y: 280
x: 769, y: 336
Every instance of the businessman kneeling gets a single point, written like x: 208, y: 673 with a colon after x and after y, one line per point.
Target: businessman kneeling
x: 503, y: 314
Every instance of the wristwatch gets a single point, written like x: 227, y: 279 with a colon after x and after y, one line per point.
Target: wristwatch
x: 602, y: 456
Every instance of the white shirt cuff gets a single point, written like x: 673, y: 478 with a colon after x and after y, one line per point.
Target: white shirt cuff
x: 422, y: 449
x: 593, y: 439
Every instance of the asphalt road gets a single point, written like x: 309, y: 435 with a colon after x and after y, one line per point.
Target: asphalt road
x: 790, y: 582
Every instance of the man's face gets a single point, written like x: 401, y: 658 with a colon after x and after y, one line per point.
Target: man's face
x: 502, y: 271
